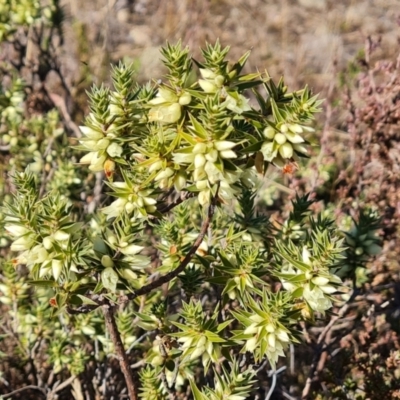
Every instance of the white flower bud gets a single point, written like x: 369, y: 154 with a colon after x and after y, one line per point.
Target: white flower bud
x: 16, y: 230
x: 251, y: 329
x: 185, y: 99
x: 328, y: 289
x: 224, y: 145
x: 149, y: 201
x: 280, y: 138
x: 97, y: 163
x: 306, y: 255
x: 91, y: 133
x: 296, y: 128
x: 204, y: 197
x: 256, y: 318
x: 102, y: 144
x: 282, y: 335
x: 129, y: 207
x: 155, y: 166
x: 359, y: 251
x: 197, y: 352
x: 61, y: 235
x: 22, y: 244
x: 202, y: 341
x: 271, y: 339
x: 128, y: 274
x: 201, y: 185
x: 48, y: 242
x: 286, y: 150
x: 56, y: 268
x: 270, y: 328
x: 179, y: 182
x: 294, y: 137
x: 284, y: 128
x: 199, y: 161
x: 167, y: 95
x: 131, y: 250
x: 269, y: 132
x: 87, y: 158
x: 168, y: 172
x: 320, y: 280
x: 300, y: 148
x: 219, y: 80
x: 207, y: 86
x: 212, y: 156
x: 251, y: 344
x: 227, y: 154
x: 200, y: 148
x: 107, y: 262
x: 207, y: 73
x: 139, y: 202
x: 114, y: 150
x: 166, y: 113
x: 44, y: 270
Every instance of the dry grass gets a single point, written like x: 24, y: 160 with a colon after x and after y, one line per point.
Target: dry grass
x: 301, y: 39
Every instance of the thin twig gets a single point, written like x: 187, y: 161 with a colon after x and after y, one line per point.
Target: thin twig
x: 60, y: 386
x: 4, y: 396
x: 274, y: 374
x: 175, y: 203
x: 112, y: 327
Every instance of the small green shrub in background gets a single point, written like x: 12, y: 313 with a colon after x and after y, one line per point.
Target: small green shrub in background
x: 175, y: 267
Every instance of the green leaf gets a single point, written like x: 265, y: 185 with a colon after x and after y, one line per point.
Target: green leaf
x: 230, y: 285
x: 213, y: 337
x: 109, y: 278
x: 86, y: 300
x: 197, y: 395
x: 246, y: 85
x: 223, y: 325
x: 42, y: 283
x: 252, y: 148
x: 198, y: 128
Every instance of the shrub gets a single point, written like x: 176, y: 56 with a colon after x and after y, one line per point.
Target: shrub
x: 178, y: 260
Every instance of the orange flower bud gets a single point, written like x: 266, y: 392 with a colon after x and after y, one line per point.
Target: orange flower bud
x: 109, y: 168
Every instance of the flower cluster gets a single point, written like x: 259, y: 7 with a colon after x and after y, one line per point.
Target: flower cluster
x: 267, y: 330
x: 207, y: 159
x: 133, y: 199
x: 46, y: 251
x: 168, y: 105
x: 199, y: 337
x: 310, y: 279
x: 203, y: 138
x: 283, y: 142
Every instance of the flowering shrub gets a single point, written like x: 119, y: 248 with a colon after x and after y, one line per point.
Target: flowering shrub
x: 177, y: 259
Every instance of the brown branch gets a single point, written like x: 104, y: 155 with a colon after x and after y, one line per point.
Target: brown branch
x: 22, y: 389
x: 111, y: 324
x: 179, y: 200
x: 60, y: 386
x: 173, y: 274
x: 313, y: 374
